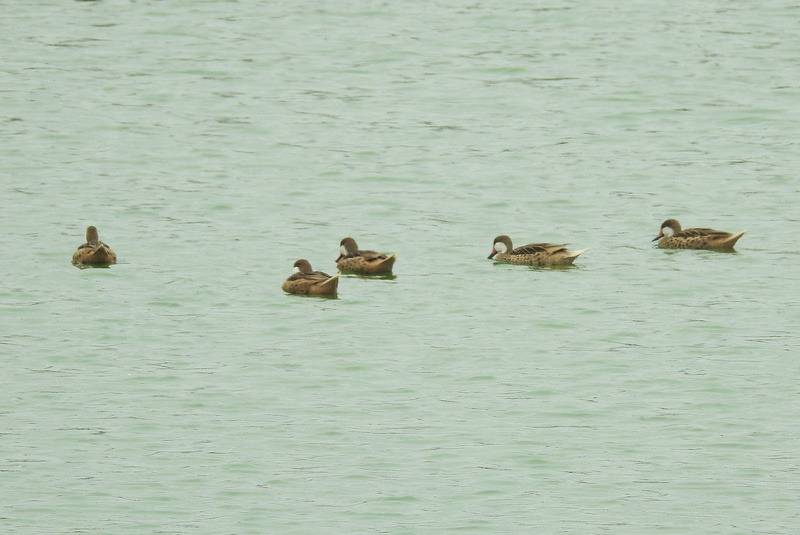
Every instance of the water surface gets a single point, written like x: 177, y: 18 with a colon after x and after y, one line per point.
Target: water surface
x: 215, y: 143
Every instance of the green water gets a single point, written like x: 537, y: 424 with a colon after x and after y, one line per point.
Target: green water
x: 213, y: 144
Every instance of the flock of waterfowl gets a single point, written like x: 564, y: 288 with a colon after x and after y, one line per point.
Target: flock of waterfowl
x: 305, y: 281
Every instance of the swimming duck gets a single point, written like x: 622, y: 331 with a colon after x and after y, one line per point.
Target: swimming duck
x: 94, y: 252
x: 533, y: 254
x: 367, y: 262
x: 673, y: 237
x: 304, y: 281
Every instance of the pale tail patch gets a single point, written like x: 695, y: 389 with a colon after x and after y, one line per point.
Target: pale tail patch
x: 328, y: 281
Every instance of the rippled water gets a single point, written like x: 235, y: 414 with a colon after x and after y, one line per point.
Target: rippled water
x: 214, y: 143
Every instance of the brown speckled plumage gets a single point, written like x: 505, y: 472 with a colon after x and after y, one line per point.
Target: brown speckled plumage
x: 533, y: 254
x: 672, y: 236
x: 304, y: 281
x: 94, y: 252
x: 368, y: 262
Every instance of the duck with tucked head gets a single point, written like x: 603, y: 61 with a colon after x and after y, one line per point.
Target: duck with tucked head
x: 673, y: 237
x: 533, y: 254
x: 367, y: 262
x: 94, y: 252
x: 305, y: 281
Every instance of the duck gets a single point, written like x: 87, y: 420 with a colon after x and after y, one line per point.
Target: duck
x: 305, y: 281
x: 367, y: 262
x: 673, y: 237
x: 94, y: 252
x: 533, y: 254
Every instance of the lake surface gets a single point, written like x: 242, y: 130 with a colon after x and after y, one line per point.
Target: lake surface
x: 215, y: 143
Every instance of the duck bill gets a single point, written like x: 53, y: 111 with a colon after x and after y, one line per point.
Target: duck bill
x: 660, y: 235
x: 340, y: 257
x: 494, y: 252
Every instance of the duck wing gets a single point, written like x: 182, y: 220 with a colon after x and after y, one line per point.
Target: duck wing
x: 699, y: 232
x: 372, y: 256
x: 534, y: 248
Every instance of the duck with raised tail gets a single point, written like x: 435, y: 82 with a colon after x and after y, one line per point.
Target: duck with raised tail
x: 94, y: 252
x: 533, y: 254
x: 672, y: 236
x: 305, y: 281
x: 352, y: 259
